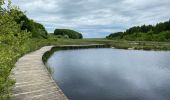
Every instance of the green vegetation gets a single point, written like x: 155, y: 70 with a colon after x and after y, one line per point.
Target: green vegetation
x: 67, y: 33
x: 36, y: 29
x: 20, y: 35
x: 11, y: 47
x: 159, y: 32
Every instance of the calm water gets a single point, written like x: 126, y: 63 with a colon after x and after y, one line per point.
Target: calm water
x: 112, y: 74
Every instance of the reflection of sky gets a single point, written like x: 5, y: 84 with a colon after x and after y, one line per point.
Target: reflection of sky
x: 112, y: 74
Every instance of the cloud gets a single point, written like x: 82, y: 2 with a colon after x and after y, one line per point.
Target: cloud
x: 95, y: 18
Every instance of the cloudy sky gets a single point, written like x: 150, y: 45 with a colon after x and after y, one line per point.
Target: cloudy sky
x: 95, y: 18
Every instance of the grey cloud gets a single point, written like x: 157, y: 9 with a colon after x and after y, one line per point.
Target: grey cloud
x: 95, y: 18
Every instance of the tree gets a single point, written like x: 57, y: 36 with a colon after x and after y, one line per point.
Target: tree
x: 11, y: 40
x: 36, y: 29
x: 70, y: 33
x: 117, y: 35
x: 159, y: 32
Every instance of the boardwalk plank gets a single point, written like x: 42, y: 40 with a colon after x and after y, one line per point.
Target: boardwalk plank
x: 33, y: 81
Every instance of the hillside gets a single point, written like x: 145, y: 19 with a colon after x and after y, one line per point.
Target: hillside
x: 68, y: 33
x: 159, y: 32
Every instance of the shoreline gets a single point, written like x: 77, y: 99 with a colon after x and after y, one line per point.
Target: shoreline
x: 47, y: 54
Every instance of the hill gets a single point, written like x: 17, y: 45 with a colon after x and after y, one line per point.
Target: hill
x: 68, y: 33
x: 159, y: 32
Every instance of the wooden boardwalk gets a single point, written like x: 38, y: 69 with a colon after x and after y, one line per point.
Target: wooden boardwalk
x: 33, y: 81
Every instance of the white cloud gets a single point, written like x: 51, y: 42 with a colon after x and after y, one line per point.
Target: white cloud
x: 95, y: 18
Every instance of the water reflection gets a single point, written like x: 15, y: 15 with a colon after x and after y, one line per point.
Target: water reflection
x: 112, y: 74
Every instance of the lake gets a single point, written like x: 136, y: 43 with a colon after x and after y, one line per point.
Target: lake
x: 112, y: 74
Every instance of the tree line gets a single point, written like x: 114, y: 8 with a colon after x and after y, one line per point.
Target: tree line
x: 37, y: 30
x: 67, y: 33
x: 158, y: 32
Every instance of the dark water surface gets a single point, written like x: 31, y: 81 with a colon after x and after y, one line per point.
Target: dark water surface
x: 112, y: 74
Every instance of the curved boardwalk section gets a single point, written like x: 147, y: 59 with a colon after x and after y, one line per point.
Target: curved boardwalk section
x: 33, y: 81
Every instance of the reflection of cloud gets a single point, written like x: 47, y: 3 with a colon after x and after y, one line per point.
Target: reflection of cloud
x: 113, y: 73
x: 109, y: 14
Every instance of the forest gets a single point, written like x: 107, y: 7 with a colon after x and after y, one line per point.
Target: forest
x: 158, y: 32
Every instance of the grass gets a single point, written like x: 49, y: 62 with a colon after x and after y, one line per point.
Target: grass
x: 120, y: 44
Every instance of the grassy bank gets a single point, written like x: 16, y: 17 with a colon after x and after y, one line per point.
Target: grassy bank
x: 142, y: 45
x: 120, y: 44
x: 69, y: 47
